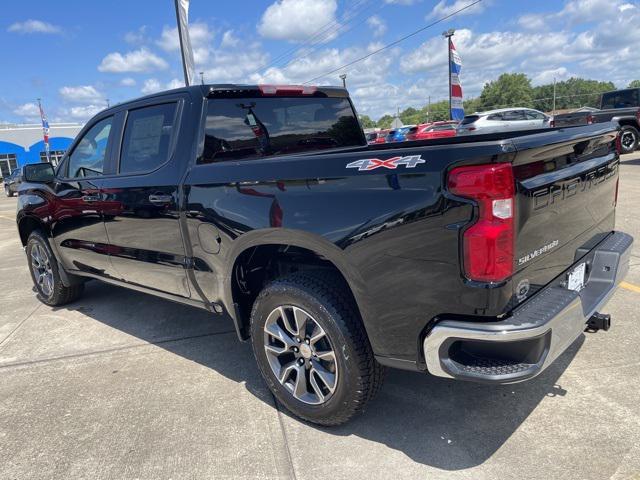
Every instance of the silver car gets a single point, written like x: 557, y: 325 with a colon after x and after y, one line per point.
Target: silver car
x: 503, y: 120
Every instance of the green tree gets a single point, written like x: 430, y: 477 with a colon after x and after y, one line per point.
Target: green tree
x: 384, y: 121
x: 509, y: 90
x: 572, y: 93
x: 366, y: 121
x: 634, y: 84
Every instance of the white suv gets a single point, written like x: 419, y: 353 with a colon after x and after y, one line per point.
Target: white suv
x: 503, y: 120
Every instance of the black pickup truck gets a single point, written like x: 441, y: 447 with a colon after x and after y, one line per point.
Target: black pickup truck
x: 622, y: 106
x: 477, y: 258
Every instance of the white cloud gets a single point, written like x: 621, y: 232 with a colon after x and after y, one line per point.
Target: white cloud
x: 82, y: 113
x: 533, y: 21
x: 128, y: 82
x: 34, y: 26
x: 297, y: 20
x: 153, y: 85
x: 86, y: 94
x: 141, y: 60
x: 137, y: 37
x: 199, y: 34
x: 303, y: 69
x: 445, y: 8
x: 229, y: 40
x: 28, y: 111
x: 377, y: 25
x: 547, y: 76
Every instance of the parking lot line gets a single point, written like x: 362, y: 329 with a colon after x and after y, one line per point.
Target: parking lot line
x: 630, y: 286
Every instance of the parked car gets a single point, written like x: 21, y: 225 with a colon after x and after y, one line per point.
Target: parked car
x: 12, y: 182
x: 503, y: 120
x: 469, y: 259
x: 398, y: 135
x: 433, y: 130
x: 622, y: 106
x: 374, y: 138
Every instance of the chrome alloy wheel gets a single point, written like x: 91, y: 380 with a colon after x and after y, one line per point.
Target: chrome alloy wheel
x: 42, y: 272
x: 628, y: 139
x: 300, y: 354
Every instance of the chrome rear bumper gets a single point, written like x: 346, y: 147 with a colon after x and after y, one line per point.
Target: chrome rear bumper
x: 537, y: 332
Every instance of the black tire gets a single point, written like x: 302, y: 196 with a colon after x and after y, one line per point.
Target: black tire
x: 59, y: 294
x: 359, y: 376
x: 8, y: 191
x: 628, y: 139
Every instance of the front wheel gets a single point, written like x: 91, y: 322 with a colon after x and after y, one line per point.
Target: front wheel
x: 628, y: 139
x: 45, y: 274
x: 8, y: 191
x: 312, y: 349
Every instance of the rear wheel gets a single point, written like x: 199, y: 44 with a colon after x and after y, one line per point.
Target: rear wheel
x: 628, y: 139
x: 312, y: 349
x: 46, y: 275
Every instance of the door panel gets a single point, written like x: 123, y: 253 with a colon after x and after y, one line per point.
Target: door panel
x: 77, y: 224
x: 143, y: 227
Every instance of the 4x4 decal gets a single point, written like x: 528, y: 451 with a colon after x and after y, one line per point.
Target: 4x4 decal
x: 391, y: 163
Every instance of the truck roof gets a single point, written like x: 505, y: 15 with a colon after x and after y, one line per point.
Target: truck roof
x: 236, y: 89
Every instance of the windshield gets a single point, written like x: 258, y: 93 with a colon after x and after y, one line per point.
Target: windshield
x: 244, y: 128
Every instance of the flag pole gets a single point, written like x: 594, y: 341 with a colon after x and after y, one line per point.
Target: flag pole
x: 448, y: 34
x: 45, y: 131
x: 182, y: 18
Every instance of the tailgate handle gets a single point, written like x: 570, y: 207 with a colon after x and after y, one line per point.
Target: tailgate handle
x: 160, y: 198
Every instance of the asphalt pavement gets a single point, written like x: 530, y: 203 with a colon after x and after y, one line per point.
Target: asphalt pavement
x: 121, y: 385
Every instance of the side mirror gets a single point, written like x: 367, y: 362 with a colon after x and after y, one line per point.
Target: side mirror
x: 38, y: 173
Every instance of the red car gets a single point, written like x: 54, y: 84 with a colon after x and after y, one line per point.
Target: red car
x: 377, y: 137
x: 427, y: 131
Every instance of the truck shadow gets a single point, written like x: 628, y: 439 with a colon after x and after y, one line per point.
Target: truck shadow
x: 442, y: 423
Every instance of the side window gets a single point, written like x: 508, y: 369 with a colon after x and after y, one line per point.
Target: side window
x: 147, y: 135
x: 87, y: 159
x: 513, y: 115
x: 495, y: 116
x: 533, y: 115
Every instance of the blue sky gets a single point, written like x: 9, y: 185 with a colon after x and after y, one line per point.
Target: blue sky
x: 76, y: 54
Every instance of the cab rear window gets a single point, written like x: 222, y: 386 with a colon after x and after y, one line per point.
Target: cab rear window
x: 249, y: 128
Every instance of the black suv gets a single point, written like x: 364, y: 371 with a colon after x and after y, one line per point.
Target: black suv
x: 12, y: 182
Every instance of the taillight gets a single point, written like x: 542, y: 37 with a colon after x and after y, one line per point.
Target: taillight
x: 552, y: 123
x: 590, y: 119
x: 488, y: 245
x: 619, y: 144
x: 287, y: 90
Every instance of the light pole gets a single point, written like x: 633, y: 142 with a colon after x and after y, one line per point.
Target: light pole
x: 202, y: 78
x: 448, y: 34
x: 344, y: 80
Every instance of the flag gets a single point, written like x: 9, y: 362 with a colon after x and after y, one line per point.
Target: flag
x: 45, y: 130
x: 182, y: 14
x: 457, y: 109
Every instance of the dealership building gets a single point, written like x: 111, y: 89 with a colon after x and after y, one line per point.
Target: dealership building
x: 22, y: 144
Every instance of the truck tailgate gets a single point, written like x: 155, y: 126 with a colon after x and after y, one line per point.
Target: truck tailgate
x: 565, y: 200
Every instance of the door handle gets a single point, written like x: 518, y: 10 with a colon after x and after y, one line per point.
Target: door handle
x: 160, y: 198
x: 90, y: 198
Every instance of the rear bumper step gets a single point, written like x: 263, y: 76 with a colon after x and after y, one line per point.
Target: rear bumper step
x: 524, y: 344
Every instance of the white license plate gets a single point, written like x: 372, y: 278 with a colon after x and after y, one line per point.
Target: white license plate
x: 576, y: 278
